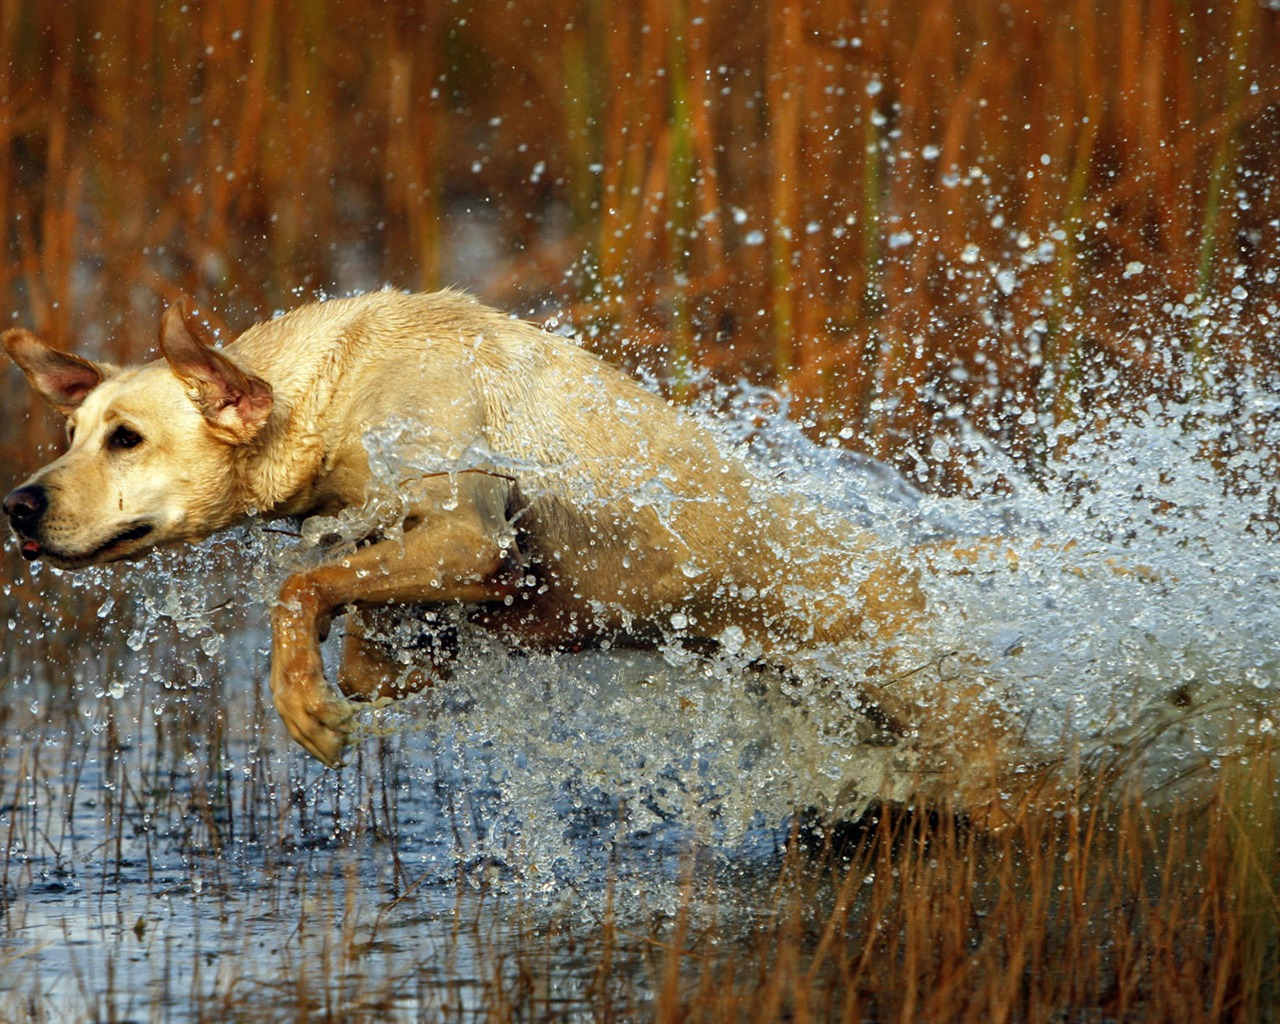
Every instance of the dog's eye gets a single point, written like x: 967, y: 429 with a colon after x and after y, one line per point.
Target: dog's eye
x: 71, y: 435
x: 124, y: 437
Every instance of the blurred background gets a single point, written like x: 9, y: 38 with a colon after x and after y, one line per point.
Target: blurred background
x: 923, y: 220
x: 1018, y: 249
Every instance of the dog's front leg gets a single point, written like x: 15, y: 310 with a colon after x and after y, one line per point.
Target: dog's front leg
x: 447, y: 560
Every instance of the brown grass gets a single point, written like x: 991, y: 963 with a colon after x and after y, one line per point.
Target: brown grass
x: 1105, y: 910
x: 1098, y: 908
x: 734, y: 183
x: 729, y: 186
x: 1097, y: 905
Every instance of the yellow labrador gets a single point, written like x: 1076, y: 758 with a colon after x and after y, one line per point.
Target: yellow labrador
x: 596, y: 510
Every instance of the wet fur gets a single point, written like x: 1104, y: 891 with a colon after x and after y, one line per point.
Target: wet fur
x: 606, y: 511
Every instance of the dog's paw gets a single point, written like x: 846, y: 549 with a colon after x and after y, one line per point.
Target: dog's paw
x: 316, y: 716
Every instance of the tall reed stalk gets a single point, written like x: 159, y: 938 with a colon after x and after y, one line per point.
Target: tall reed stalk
x: 1221, y: 185
x: 850, y: 198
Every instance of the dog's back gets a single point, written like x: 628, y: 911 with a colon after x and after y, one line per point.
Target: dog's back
x: 530, y: 479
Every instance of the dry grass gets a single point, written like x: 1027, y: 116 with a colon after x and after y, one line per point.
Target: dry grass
x: 1099, y: 911
x: 927, y: 204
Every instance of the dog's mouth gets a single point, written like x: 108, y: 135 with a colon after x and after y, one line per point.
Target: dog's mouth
x: 119, y: 546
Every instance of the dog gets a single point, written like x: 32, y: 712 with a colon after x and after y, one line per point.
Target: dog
x: 550, y: 494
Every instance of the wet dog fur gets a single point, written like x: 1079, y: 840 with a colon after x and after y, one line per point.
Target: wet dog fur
x: 603, y: 510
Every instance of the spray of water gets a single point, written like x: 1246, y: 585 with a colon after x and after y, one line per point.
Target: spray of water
x: 1115, y: 611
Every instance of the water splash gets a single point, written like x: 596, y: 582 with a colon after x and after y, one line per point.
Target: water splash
x: 1117, y: 608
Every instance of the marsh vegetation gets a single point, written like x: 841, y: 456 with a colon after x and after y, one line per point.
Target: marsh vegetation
x: 1026, y: 255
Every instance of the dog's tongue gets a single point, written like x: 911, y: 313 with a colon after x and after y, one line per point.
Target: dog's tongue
x: 30, y: 549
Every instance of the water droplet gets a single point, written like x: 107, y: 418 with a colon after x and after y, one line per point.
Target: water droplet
x: 732, y: 639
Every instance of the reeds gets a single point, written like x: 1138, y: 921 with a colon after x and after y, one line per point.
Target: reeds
x: 896, y: 210
x: 1106, y: 910
x: 856, y: 198
x: 1097, y: 905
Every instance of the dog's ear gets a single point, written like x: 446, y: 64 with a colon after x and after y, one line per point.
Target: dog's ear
x: 235, y: 404
x: 61, y: 379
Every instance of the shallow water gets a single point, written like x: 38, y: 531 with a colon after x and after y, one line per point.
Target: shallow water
x: 169, y: 852
x: 170, y: 856
x: 164, y: 857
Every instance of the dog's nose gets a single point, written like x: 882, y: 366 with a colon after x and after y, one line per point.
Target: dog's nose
x: 25, y: 506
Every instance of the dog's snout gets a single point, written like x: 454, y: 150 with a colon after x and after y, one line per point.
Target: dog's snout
x: 25, y: 506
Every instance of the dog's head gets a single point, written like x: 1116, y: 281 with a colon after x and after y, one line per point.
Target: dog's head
x: 152, y: 454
